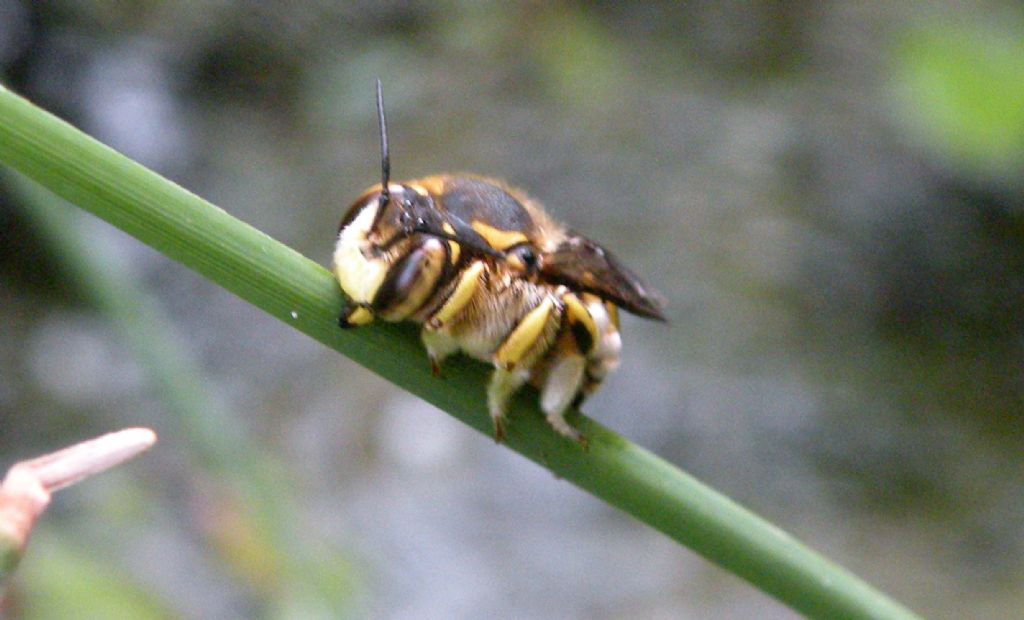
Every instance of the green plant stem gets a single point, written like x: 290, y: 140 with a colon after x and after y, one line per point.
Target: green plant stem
x: 303, y: 294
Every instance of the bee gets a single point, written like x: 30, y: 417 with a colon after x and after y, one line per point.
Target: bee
x: 486, y: 272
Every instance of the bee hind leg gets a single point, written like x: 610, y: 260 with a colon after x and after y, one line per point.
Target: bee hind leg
x: 504, y: 383
x: 560, y: 391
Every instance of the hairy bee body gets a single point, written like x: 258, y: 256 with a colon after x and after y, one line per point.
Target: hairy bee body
x: 487, y: 272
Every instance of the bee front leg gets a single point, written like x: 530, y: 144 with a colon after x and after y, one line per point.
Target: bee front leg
x: 354, y: 315
x: 439, y: 346
x: 435, y: 337
x: 503, y: 385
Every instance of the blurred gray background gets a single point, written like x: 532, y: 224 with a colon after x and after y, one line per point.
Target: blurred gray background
x: 829, y: 195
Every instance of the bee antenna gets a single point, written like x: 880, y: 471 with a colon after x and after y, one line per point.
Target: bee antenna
x: 385, y: 158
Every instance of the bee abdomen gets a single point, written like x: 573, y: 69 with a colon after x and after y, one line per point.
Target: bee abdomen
x: 580, y: 323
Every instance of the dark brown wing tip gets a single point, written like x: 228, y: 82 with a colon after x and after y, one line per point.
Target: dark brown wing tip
x: 652, y: 307
x: 580, y: 262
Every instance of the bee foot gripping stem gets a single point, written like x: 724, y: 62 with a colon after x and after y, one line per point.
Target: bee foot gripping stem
x: 562, y: 427
x: 503, y: 384
x: 354, y: 315
x: 499, y: 430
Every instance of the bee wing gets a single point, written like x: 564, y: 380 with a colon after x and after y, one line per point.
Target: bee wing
x: 580, y: 263
x: 434, y: 222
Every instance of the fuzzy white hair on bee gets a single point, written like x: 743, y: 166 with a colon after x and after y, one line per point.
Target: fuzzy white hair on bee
x: 486, y: 272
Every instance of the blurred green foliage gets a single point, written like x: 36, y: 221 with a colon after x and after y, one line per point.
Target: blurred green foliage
x: 963, y: 85
x: 60, y: 579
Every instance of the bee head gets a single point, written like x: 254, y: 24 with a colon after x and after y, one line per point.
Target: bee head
x: 400, y: 210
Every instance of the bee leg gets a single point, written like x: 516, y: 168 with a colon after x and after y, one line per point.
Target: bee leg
x: 559, y: 391
x: 353, y: 315
x: 589, y: 384
x: 459, y: 298
x: 439, y: 346
x: 523, y: 342
x: 503, y: 385
x: 515, y: 356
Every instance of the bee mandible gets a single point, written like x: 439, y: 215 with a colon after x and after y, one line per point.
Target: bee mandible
x: 485, y: 271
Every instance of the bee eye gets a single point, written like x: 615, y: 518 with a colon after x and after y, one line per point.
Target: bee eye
x: 528, y: 257
x: 523, y: 258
